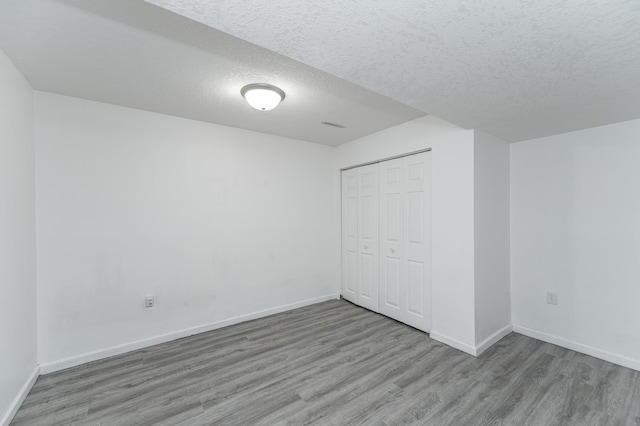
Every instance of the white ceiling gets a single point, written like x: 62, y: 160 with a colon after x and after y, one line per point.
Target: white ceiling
x: 514, y: 69
x: 130, y: 53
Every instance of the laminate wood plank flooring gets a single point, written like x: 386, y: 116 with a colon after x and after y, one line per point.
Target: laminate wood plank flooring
x: 335, y: 363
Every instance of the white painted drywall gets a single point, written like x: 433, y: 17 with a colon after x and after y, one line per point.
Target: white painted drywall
x: 452, y: 214
x: 491, y: 210
x: 216, y: 222
x: 575, y: 230
x: 17, y: 238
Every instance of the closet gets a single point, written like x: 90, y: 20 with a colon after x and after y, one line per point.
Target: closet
x: 386, y: 238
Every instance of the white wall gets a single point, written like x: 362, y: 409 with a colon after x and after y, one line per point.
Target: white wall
x: 491, y: 206
x: 452, y: 214
x: 17, y: 240
x: 216, y: 222
x: 575, y: 230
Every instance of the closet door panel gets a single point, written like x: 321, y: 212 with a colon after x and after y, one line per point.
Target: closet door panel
x: 392, y: 285
x: 391, y: 238
x: 415, y: 281
x: 417, y: 250
x: 366, y: 278
x: 350, y: 235
x: 368, y: 237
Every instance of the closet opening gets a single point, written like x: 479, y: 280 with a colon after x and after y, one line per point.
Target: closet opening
x: 386, y: 237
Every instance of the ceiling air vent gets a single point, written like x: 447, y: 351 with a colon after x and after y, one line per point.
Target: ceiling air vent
x: 339, y: 126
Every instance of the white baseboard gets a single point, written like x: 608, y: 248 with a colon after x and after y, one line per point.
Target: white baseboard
x: 50, y: 367
x: 470, y: 349
x: 579, y: 347
x: 19, y: 399
x: 494, y: 338
x: 454, y: 343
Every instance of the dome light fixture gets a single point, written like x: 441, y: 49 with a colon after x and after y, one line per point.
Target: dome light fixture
x: 261, y: 96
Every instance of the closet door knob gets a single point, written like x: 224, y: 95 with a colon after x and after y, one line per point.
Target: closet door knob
x: 391, y: 250
x: 366, y: 247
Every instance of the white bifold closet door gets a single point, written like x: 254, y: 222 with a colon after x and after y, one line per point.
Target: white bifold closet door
x: 405, y: 239
x: 386, y: 238
x: 360, y: 236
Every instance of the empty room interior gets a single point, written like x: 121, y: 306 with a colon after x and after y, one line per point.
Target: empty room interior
x: 329, y: 213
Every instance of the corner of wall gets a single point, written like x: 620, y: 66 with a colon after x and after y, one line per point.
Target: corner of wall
x: 491, y: 240
x: 18, y: 322
x: 15, y: 405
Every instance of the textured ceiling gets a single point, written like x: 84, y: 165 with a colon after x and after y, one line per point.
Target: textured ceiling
x: 130, y: 53
x: 514, y: 69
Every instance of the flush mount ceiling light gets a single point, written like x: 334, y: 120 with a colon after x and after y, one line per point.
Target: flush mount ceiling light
x: 263, y: 97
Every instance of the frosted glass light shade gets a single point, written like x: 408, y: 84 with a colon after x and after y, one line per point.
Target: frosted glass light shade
x: 263, y: 97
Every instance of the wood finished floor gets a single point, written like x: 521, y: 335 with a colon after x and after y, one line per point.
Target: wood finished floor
x: 336, y: 364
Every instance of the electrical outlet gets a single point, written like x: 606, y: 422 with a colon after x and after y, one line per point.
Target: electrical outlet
x: 149, y: 301
x: 552, y: 298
